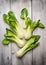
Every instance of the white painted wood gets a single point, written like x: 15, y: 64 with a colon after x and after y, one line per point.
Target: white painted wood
x: 39, y: 12
x: 5, y: 51
x: 16, y: 6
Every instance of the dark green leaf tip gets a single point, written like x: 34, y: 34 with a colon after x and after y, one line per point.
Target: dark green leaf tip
x: 6, y: 18
x: 24, y: 13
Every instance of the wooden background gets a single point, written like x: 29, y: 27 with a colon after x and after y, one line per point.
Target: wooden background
x: 37, y: 10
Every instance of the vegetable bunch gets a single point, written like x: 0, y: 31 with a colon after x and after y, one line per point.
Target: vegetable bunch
x: 28, y: 24
x: 12, y: 37
x: 12, y: 21
x: 15, y: 33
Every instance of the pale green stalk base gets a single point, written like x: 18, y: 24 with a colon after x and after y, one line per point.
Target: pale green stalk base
x: 19, y: 42
x: 28, y: 33
x: 22, y: 51
x: 19, y: 32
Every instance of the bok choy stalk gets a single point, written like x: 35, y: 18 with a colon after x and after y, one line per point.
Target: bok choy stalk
x: 10, y: 36
x: 30, y: 44
x: 11, y: 20
x: 32, y: 27
x: 28, y: 24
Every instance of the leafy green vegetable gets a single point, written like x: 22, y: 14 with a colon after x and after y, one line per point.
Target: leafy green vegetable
x: 24, y: 39
x: 11, y: 20
x: 22, y: 51
x: 24, y: 13
x: 30, y: 44
x: 12, y: 36
x: 30, y: 29
x: 28, y: 24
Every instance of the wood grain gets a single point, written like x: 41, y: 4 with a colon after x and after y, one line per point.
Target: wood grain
x: 39, y: 12
x: 5, y: 51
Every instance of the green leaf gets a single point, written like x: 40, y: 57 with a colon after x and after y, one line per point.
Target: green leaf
x: 27, y: 22
x: 41, y: 26
x: 12, y: 16
x: 6, y: 18
x: 34, y: 37
x: 32, y: 46
x: 10, y: 13
x: 13, y: 25
x: 10, y: 38
x: 6, y: 41
x: 24, y: 13
x: 9, y: 33
x: 34, y: 24
x: 37, y: 37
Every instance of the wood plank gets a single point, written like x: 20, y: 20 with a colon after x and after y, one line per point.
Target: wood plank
x: 39, y: 12
x: 5, y: 51
x: 16, y: 6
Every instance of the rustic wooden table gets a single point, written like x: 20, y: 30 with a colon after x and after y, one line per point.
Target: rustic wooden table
x: 37, y: 10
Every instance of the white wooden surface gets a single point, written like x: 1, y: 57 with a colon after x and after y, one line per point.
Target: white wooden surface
x: 37, y: 10
x: 5, y: 51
